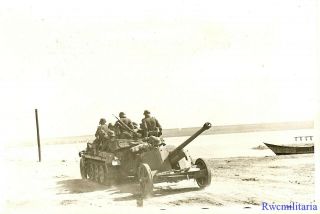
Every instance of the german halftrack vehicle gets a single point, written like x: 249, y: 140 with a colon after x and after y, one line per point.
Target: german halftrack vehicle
x: 144, y: 161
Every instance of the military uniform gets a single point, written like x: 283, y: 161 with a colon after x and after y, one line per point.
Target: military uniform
x: 123, y: 132
x: 102, y: 131
x: 151, y: 126
x: 101, y: 134
x: 127, y: 121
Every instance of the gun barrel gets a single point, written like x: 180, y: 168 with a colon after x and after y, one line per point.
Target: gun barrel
x: 176, y: 154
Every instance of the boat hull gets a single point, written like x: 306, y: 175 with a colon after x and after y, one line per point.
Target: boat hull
x: 290, y: 150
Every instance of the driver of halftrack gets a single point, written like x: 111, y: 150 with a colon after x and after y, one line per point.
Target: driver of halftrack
x: 150, y: 125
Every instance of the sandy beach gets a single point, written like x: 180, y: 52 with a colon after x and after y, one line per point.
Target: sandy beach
x: 243, y: 182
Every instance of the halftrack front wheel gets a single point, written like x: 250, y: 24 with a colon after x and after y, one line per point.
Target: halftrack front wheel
x: 83, y: 170
x: 205, y: 180
x: 96, y: 172
x: 145, y: 179
x: 101, y: 174
x: 91, y: 171
x: 108, y: 176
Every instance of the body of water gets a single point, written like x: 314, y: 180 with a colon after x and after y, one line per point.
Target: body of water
x: 206, y: 146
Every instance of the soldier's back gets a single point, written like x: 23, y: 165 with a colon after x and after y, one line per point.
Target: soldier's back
x: 151, y: 123
x: 104, y: 128
x: 126, y: 121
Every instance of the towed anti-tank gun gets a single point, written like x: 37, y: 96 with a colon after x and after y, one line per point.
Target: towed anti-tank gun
x: 147, y: 161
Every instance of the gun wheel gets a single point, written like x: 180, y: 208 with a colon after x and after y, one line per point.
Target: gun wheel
x: 205, y: 180
x: 145, y: 179
x: 83, y: 170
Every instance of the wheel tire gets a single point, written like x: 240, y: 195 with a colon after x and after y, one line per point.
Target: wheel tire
x: 205, y: 180
x: 145, y: 179
x: 101, y: 174
x: 108, y: 176
x: 83, y: 169
x: 96, y: 172
x: 91, y: 171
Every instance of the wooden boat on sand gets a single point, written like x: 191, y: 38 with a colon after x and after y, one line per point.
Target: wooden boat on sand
x: 291, y: 149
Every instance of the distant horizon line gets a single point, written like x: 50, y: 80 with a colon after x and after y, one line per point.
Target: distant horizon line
x: 228, y: 129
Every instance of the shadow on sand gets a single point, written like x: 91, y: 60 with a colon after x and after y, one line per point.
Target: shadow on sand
x: 74, y: 186
x: 158, y: 192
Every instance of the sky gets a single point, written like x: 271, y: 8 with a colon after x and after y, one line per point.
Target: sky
x: 188, y: 62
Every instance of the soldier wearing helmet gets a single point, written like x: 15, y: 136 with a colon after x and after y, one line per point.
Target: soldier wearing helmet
x: 102, y: 130
x: 123, y: 126
x: 102, y: 133
x: 150, y: 125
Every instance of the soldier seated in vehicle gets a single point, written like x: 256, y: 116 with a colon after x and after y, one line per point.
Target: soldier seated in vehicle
x: 113, y: 128
x: 105, y: 144
x: 150, y: 125
x: 124, y: 125
x: 101, y: 134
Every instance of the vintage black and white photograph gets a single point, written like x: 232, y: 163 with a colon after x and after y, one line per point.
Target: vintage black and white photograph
x: 159, y: 106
